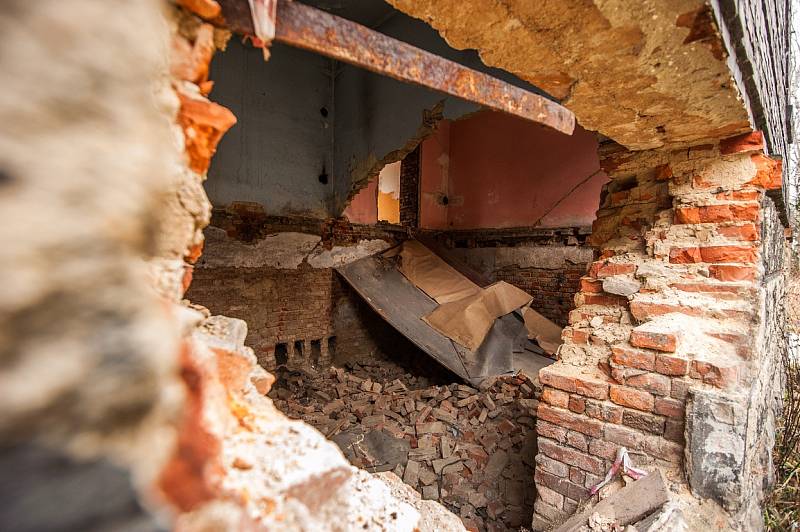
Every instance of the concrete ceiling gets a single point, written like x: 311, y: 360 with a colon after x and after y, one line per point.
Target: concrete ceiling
x: 646, y: 74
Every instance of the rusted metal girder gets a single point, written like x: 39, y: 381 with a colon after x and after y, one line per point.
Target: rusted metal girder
x: 318, y: 31
x: 312, y: 29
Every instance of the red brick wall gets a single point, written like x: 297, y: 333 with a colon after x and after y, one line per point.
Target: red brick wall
x: 553, y: 291
x: 289, y: 306
x: 553, y: 287
x: 665, y: 323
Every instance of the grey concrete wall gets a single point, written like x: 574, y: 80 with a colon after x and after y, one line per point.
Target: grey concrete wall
x: 281, y: 144
x: 377, y: 115
x: 276, y: 152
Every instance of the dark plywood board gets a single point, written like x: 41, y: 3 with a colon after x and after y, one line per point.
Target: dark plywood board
x: 402, y: 305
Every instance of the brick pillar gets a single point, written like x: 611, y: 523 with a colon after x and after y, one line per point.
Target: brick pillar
x: 670, y: 328
x: 409, y: 189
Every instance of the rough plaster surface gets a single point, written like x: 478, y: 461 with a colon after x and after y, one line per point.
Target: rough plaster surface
x: 282, y: 251
x: 623, y: 68
x: 548, y: 257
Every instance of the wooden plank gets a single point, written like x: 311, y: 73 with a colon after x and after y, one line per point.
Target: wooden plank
x: 629, y: 505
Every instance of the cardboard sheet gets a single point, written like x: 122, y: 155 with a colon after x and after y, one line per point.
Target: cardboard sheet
x: 546, y: 333
x: 468, y: 320
x: 431, y: 274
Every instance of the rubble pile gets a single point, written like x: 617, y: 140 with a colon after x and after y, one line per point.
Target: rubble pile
x: 472, y: 450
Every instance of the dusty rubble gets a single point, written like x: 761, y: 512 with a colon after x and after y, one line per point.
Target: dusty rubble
x: 472, y: 450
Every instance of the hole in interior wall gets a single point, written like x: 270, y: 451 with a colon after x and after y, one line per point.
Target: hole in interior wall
x: 444, y: 200
x: 281, y: 354
x: 298, y: 348
x: 332, y: 347
x: 323, y: 177
x: 316, y: 351
x: 323, y: 111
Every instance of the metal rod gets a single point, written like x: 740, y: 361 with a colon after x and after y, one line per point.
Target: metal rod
x: 315, y: 30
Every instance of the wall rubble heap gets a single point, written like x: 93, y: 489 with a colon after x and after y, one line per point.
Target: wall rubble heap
x: 672, y: 351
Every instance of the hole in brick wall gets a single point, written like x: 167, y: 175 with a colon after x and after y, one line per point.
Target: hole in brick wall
x: 281, y: 354
x: 382, y: 391
x: 316, y: 351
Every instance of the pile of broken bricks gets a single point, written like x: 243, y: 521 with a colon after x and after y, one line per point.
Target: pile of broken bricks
x: 472, y: 450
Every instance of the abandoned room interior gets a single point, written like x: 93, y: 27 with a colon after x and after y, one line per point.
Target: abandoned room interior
x: 416, y: 265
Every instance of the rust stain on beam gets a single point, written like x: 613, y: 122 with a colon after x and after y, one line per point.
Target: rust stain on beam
x: 317, y: 31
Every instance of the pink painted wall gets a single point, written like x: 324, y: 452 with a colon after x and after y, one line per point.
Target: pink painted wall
x: 434, y: 183
x: 503, y: 171
x: 363, y: 209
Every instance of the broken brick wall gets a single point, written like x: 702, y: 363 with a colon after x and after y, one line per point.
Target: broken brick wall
x: 546, y: 263
x: 277, y: 275
x: 668, y: 349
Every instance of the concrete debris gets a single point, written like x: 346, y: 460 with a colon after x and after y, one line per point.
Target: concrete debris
x: 452, y: 443
x: 621, y: 285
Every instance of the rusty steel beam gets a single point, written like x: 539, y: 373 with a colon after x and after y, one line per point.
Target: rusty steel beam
x: 315, y: 30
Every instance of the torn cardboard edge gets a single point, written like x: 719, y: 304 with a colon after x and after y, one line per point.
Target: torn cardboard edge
x: 466, y: 312
x: 468, y: 320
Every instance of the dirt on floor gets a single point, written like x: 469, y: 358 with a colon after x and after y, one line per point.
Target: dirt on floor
x: 472, y: 450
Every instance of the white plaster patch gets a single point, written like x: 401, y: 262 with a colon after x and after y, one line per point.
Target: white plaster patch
x: 341, y: 255
x: 281, y: 250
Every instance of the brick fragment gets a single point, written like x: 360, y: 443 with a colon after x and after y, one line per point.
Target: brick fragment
x: 592, y: 286
x: 603, y: 449
x: 571, y: 457
x: 633, y: 358
x: 650, y: 382
x: 769, y: 172
x: 577, y: 476
x: 748, y: 232
x: 548, y: 430
x: 671, y: 365
x: 732, y: 212
x: 564, y: 418
x: 203, y: 123
x: 732, y: 273
x: 632, y: 398
x: 661, y: 341
x: 624, y: 436
x: 551, y: 497
x: 577, y: 440
x: 674, y: 431
x: 720, y: 376
x: 206, y: 9
x: 551, y: 466
x: 561, y: 485
x: 669, y: 407
x: 550, y: 376
x: 663, y: 172
x: 603, y: 269
x: 555, y: 397
x: 714, y: 254
x: 604, y: 411
x: 644, y: 422
x: 592, y: 388
x: 577, y: 404
x: 753, y: 141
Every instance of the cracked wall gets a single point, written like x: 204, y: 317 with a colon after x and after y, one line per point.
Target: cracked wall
x: 622, y: 68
